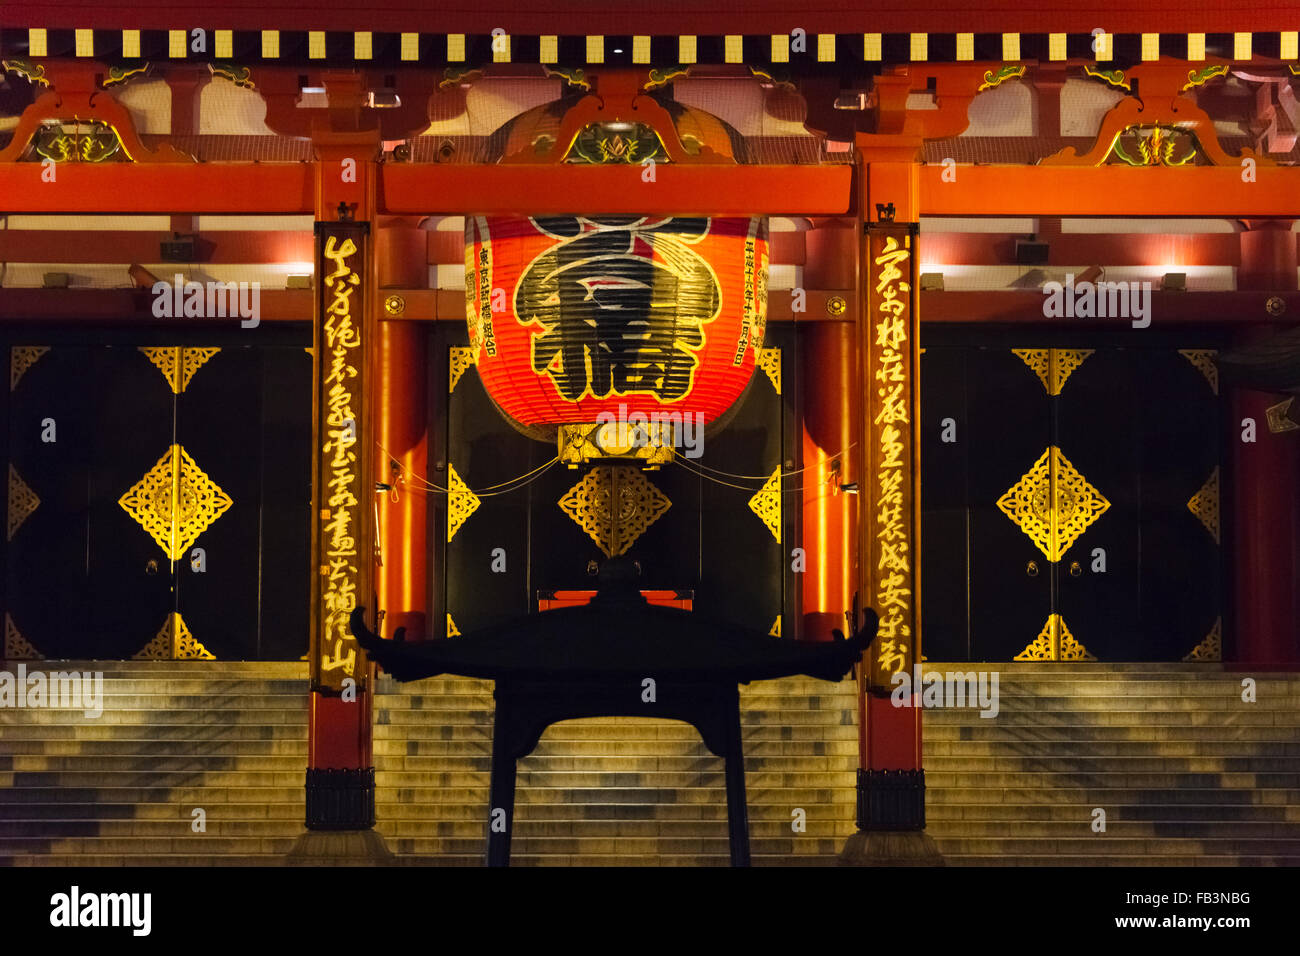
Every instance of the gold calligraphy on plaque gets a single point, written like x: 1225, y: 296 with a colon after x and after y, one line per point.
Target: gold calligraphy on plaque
x: 889, y: 454
x: 341, y: 493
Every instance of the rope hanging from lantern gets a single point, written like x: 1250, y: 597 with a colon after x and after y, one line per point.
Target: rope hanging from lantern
x: 420, y: 483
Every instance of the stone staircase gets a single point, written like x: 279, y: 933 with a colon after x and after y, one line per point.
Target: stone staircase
x: 1186, y: 772
x: 229, y: 738
x: 617, y: 791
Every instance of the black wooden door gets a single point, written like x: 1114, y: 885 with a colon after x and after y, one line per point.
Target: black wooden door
x: 1070, y: 503
x: 159, y: 499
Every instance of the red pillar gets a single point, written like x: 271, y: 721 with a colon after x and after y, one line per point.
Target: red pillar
x: 340, y: 784
x: 401, y: 252
x: 891, y: 778
x: 1266, y: 473
x: 829, y: 524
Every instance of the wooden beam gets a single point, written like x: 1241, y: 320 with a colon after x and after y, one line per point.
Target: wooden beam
x: 103, y: 305
x: 1120, y: 191
x: 264, y: 189
x: 408, y: 189
x: 576, y: 17
x: 448, y: 305
x: 1167, y: 308
x: 108, y: 246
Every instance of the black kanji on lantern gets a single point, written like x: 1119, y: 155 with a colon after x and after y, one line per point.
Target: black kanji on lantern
x: 623, y: 302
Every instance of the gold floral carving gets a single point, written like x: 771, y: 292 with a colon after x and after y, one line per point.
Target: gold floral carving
x: 769, y: 360
x: 21, y: 358
x: 614, y: 504
x: 461, y: 502
x: 178, y: 365
x: 461, y: 358
x: 452, y: 629
x: 1203, y: 359
x: 175, y: 502
x: 1211, y: 647
x: 17, y: 647
x: 22, y: 501
x: 1054, y: 643
x: 767, y: 503
x: 1053, y: 504
x: 173, y: 643
x: 775, y: 630
x: 1205, y: 504
x: 1053, y: 366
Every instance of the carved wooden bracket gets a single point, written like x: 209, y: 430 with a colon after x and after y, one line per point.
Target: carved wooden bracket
x: 1155, y: 102
x: 618, y: 96
x: 74, y: 96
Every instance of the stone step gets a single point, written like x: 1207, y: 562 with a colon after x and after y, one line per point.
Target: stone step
x: 219, y: 713
x: 195, y: 734
x: 287, y: 808
x: 1099, y: 765
x: 941, y: 814
x: 1111, y: 796
x: 146, y: 776
x: 1064, y: 735
x: 937, y: 751
x: 152, y: 764
x: 134, y: 749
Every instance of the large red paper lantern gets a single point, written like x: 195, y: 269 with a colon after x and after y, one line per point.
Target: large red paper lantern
x: 574, y: 316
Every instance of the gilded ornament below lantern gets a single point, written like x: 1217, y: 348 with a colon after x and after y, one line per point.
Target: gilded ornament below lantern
x: 1053, y: 503
x: 460, y: 359
x: 175, y: 502
x: 614, y: 505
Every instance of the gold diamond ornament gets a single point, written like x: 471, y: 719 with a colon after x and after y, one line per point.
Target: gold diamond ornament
x: 614, y: 504
x: 1053, y: 504
x: 175, y: 502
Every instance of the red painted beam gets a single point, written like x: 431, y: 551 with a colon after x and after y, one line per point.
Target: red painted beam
x: 568, y: 17
x: 407, y: 189
x: 1082, y: 249
x: 124, y: 188
x: 126, y: 246
x: 1121, y: 191
x: 448, y: 248
x: 1180, y: 308
x: 102, y: 305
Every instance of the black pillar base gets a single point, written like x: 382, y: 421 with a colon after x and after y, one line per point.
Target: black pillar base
x: 340, y: 799
x: 891, y: 799
x: 891, y: 822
